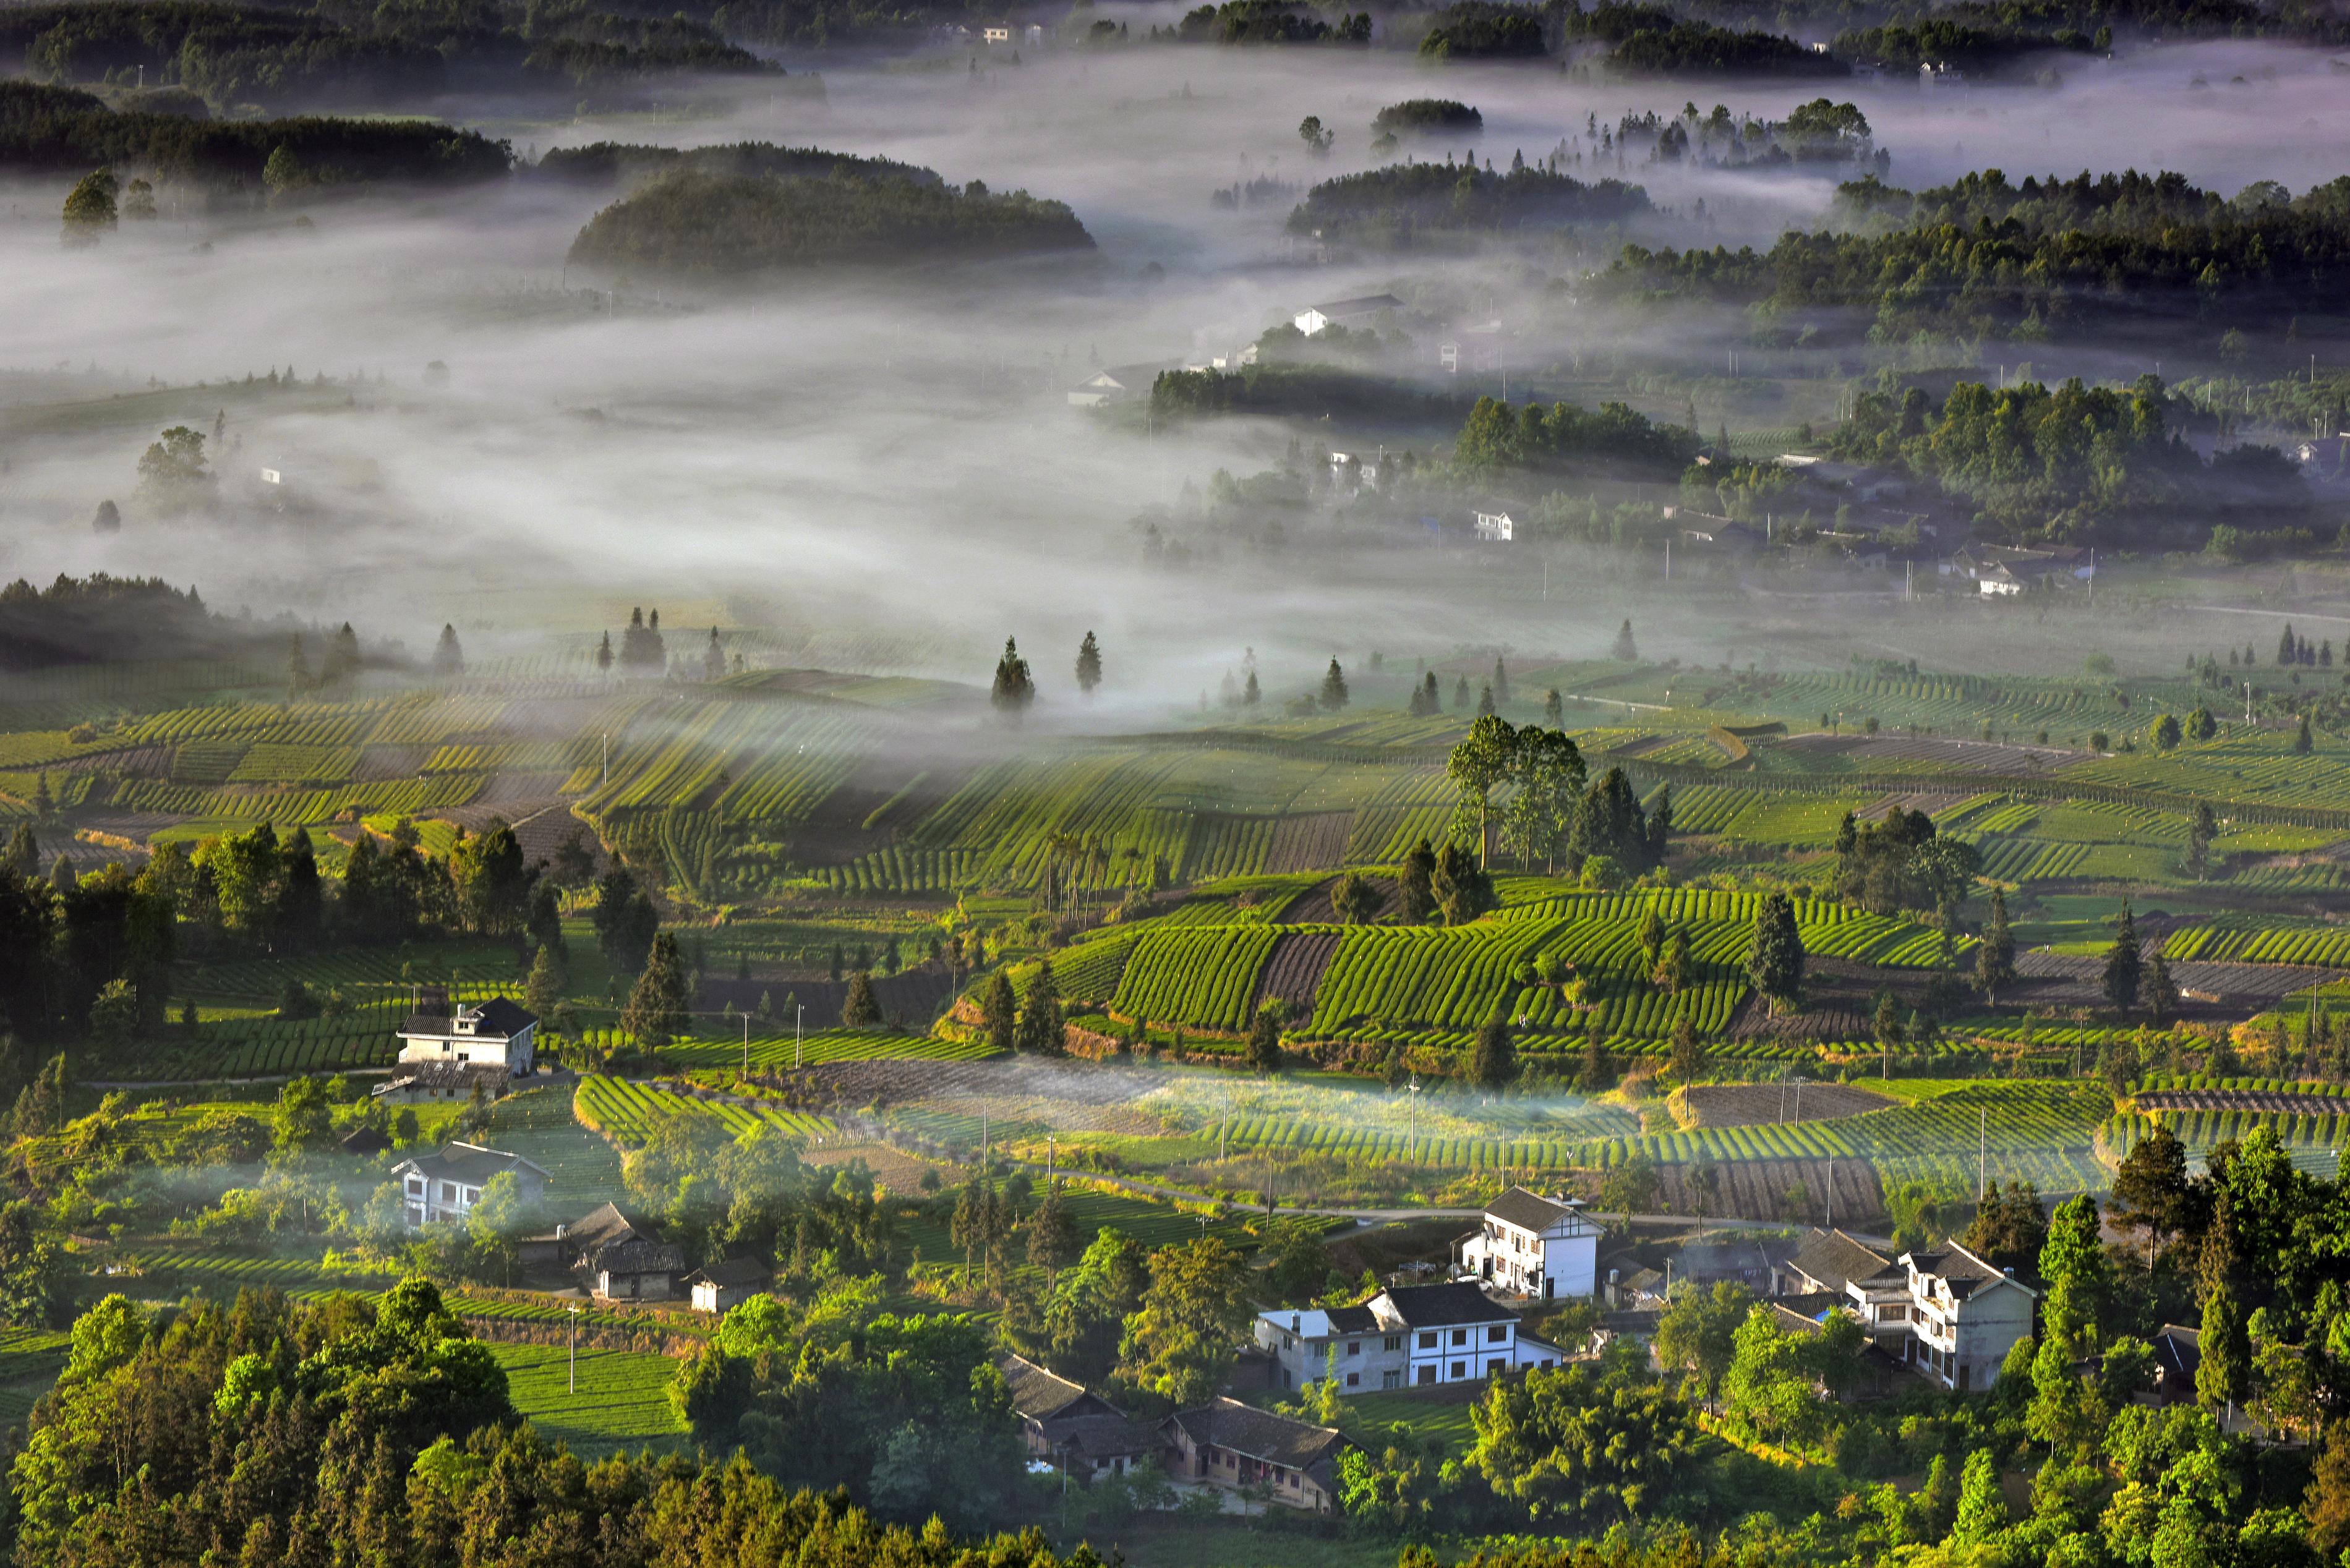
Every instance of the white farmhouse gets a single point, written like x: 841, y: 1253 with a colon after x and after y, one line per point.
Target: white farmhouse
x: 1351, y: 314
x: 496, y: 1032
x: 1097, y: 389
x: 1946, y: 1314
x: 1529, y: 1245
x: 1496, y: 529
x: 444, y: 1187
x: 1407, y: 1336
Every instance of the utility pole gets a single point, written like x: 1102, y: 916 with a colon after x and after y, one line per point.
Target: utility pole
x: 746, y: 1046
x: 799, y: 1017
x: 1411, y: 1139
x: 574, y: 1387
x: 1831, y: 1192
x: 608, y: 756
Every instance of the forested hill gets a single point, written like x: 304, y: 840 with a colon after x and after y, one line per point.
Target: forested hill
x: 231, y: 55
x: 2044, y: 259
x: 56, y: 130
x: 614, y: 162
x: 1392, y: 207
x: 694, y: 225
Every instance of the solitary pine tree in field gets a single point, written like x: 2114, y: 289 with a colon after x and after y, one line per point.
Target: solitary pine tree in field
x: 1333, y: 688
x: 1995, y: 954
x: 999, y: 1013
x: 713, y: 658
x: 604, y: 655
x: 1042, y: 1030
x: 1553, y: 709
x: 1493, y: 1060
x: 448, y: 654
x: 1252, y: 694
x: 656, y: 1010
x: 1626, y: 648
x: 1088, y: 665
x: 1501, y: 680
x: 1688, y: 1058
x: 2200, y: 830
x: 2302, y: 739
x: 1014, y: 689
x: 543, y: 993
x: 1775, y: 961
x: 1265, y: 1039
x: 2124, y: 964
x: 2158, y: 992
x: 862, y: 1010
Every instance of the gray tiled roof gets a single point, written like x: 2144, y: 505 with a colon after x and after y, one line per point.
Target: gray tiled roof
x: 1527, y: 1210
x: 1257, y: 1434
x: 1835, y: 1259
x: 469, y: 1163
x: 1444, y: 1306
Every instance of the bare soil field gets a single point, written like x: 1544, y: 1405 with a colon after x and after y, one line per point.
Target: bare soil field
x: 1294, y: 972
x: 900, y: 1173
x: 1749, y: 1105
x: 1764, y: 1190
x: 1309, y: 842
x: 2067, y: 980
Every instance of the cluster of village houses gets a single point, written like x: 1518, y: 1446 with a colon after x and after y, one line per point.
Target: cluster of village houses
x: 1941, y: 1313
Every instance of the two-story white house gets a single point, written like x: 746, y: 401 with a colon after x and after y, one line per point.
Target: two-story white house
x: 1966, y: 1315
x: 1365, y: 310
x: 445, y: 1186
x: 1407, y: 1336
x: 1529, y: 1245
x: 1946, y: 1313
x: 496, y: 1032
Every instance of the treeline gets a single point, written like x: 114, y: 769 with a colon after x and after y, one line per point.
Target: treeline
x: 231, y: 55
x: 1943, y: 40
x: 1395, y: 207
x: 1285, y: 390
x: 1497, y: 436
x: 54, y: 130
x: 1271, y: 22
x: 695, y: 225
x: 2072, y: 463
x: 1435, y: 116
x: 1481, y: 29
x: 101, y: 619
x: 616, y: 162
x: 1649, y: 40
x: 2042, y: 260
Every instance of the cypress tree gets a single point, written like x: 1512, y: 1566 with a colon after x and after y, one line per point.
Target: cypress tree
x: 1493, y: 1060
x: 1089, y: 672
x: 1333, y: 688
x: 862, y: 1010
x: 1774, y: 963
x: 1265, y: 1039
x: 1042, y: 1030
x: 2124, y: 964
x: 1995, y: 955
x: 656, y: 1010
x: 999, y: 1014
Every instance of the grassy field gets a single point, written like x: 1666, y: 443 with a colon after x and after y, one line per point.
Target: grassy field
x: 621, y: 1402
x: 30, y: 1360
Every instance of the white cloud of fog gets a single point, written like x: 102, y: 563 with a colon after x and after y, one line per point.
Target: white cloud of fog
x: 899, y: 449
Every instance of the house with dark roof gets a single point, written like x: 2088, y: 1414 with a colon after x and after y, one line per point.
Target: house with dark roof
x: 1965, y: 1316
x: 622, y: 1258
x: 2177, y: 1358
x: 1068, y: 1425
x: 1229, y: 1444
x: 445, y: 1186
x: 1407, y: 1336
x: 1876, y: 1287
x: 726, y: 1284
x: 496, y: 1032
x: 1533, y: 1246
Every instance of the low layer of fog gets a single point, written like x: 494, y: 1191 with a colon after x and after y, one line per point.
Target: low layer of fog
x: 896, y: 456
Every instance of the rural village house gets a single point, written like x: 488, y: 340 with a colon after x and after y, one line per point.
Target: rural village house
x: 1407, y: 1336
x: 1229, y: 1444
x: 1529, y: 1245
x: 434, y: 1187
x: 496, y: 1032
x: 1066, y: 1425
